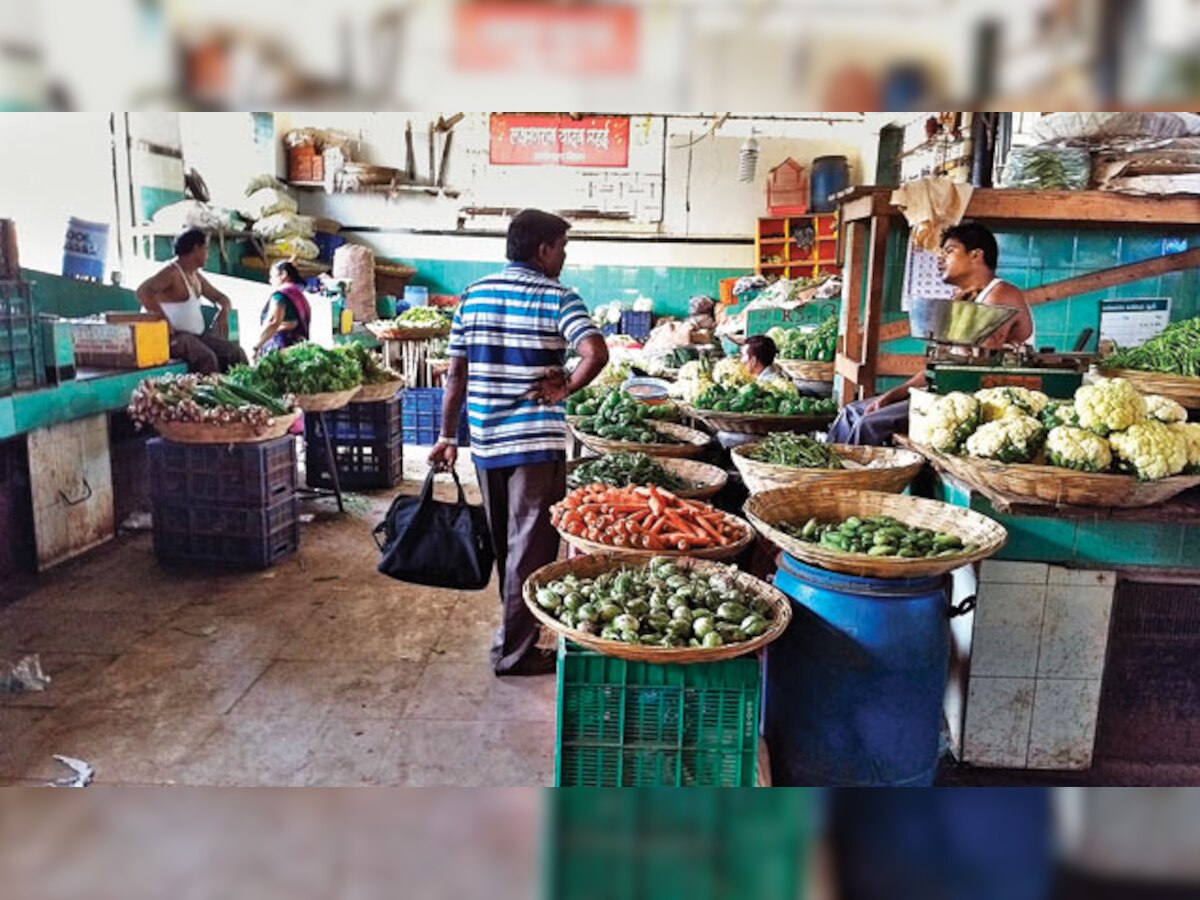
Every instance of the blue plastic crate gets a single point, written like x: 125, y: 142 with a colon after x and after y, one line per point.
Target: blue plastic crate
x: 421, y: 417
x: 637, y: 324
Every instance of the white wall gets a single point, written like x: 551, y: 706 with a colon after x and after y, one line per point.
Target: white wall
x: 54, y: 166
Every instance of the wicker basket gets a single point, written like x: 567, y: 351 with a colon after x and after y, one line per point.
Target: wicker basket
x: 807, y: 370
x: 732, y: 551
x: 757, y: 423
x: 707, y: 480
x: 797, y: 505
x: 1182, y: 389
x: 593, y: 566
x: 237, y: 433
x: 688, y: 442
x: 1060, y: 487
x: 410, y: 334
x: 373, y: 393
x: 314, y: 403
x: 893, y: 470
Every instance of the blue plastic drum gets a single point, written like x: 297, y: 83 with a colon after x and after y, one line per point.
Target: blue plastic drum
x: 854, y: 687
x: 830, y: 175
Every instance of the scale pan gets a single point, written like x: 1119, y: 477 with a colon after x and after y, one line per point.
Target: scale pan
x: 955, y: 321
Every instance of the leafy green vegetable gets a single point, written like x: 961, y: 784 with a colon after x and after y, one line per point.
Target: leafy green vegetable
x: 303, y: 369
x: 623, y: 469
x: 374, y: 371
x: 786, y: 448
x: 422, y: 317
x: 819, y: 345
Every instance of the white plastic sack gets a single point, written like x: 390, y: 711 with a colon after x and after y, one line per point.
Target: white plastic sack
x: 268, y: 201
x: 281, y: 225
x: 298, y: 247
x: 1102, y: 126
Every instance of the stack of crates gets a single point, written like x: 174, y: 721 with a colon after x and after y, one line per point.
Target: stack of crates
x: 422, y: 417
x: 22, y: 363
x: 229, y: 505
x: 365, y: 438
x: 634, y: 724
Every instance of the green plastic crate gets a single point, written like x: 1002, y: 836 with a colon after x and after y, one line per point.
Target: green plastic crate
x: 635, y: 724
x: 666, y: 844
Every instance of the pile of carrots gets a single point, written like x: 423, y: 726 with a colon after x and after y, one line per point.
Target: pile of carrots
x: 644, y: 518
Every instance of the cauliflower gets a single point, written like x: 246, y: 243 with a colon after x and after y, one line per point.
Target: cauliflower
x: 1060, y: 412
x: 1109, y: 404
x: 694, y: 379
x: 1015, y: 438
x: 1190, y: 432
x: 1076, y: 448
x: 950, y: 421
x: 998, y: 402
x: 1151, y: 450
x: 1164, y: 409
x: 732, y: 372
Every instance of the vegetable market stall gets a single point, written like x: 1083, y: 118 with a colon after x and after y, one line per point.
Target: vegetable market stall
x: 1086, y: 577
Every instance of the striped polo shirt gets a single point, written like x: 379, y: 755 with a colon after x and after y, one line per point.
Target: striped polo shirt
x: 511, y: 328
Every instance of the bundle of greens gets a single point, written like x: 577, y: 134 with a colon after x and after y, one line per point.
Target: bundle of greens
x: 374, y: 369
x: 624, y: 469
x: 303, y: 369
x: 786, y: 448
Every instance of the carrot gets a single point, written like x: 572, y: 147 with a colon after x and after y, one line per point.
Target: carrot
x: 715, y: 533
x: 681, y: 525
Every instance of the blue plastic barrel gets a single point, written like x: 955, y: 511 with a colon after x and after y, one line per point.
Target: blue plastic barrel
x: 854, y: 686
x: 829, y: 175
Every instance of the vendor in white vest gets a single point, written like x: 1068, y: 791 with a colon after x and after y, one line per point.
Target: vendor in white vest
x: 174, y: 294
x: 968, y: 262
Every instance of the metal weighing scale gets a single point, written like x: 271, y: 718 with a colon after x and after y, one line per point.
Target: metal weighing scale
x: 955, y: 329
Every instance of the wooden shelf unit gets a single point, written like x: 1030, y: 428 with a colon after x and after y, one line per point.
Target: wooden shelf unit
x: 777, y: 253
x: 868, y: 217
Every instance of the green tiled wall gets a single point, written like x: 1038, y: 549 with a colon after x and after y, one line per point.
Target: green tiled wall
x: 155, y: 198
x: 669, y: 287
x: 1032, y: 257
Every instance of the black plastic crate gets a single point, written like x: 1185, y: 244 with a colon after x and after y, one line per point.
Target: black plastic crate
x: 421, y: 416
x: 361, y: 465
x: 251, y: 538
x: 246, y: 476
x: 359, y: 422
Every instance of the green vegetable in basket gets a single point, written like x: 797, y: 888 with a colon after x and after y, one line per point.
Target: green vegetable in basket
x: 879, y: 536
x: 660, y: 604
x: 786, y: 448
x: 1174, y: 352
x: 306, y: 368
x: 623, y: 469
x: 620, y: 417
x: 374, y: 370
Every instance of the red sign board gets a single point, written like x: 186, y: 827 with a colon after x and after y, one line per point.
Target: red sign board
x: 528, y: 38
x: 521, y: 139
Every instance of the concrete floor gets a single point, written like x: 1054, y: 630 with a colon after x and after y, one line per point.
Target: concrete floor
x: 316, y: 672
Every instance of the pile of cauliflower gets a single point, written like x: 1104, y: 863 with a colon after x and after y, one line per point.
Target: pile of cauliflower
x: 1109, y: 425
x: 694, y: 379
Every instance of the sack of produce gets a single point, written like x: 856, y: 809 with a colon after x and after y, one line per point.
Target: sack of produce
x: 357, y: 264
x: 1048, y: 168
x: 282, y: 225
x: 425, y: 541
x: 268, y: 201
x: 293, y: 247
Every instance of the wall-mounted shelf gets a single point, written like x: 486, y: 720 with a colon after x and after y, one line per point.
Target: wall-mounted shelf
x: 391, y: 189
x: 777, y: 251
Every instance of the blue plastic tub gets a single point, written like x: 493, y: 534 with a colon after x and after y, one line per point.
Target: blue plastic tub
x: 830, y: 175
x: 854, y: 687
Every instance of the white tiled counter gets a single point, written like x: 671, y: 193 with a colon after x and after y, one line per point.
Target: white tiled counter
x: 1037, y: 654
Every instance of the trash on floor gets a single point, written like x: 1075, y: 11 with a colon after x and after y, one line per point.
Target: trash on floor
x: 23, y: 675
x: 199, y: 631
x: 84, y: 773
x: 138, y: 521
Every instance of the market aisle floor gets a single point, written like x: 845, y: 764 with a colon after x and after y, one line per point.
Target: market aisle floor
x: 316, y: 672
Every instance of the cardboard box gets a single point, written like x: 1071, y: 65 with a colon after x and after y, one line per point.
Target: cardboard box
x: 140, y: 344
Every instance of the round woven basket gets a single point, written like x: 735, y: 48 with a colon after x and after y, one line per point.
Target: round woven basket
x: 890, y: 470
x: 795, y: 505
x: 732, y: 551
x: 1062, y: 487
x: 237, y: 433
x: 1183, y: 389
x: 688, y: 442
x: 757, y: 423
x: 313, y: 403
x: 807, y: 370
x: 373, y: 393
x: 593, y: 566
x: 706, y: 480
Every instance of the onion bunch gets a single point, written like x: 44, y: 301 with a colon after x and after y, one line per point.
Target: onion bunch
x: 204, y: 399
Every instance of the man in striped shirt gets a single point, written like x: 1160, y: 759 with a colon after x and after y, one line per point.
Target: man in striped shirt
x: 507, y: 349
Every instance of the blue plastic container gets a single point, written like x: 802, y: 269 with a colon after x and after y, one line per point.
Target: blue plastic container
x: 830, y: 174
x: 854, y: 687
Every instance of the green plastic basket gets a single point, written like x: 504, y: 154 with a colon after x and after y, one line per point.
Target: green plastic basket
x: 664, y: 844
x: 636, y: 724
